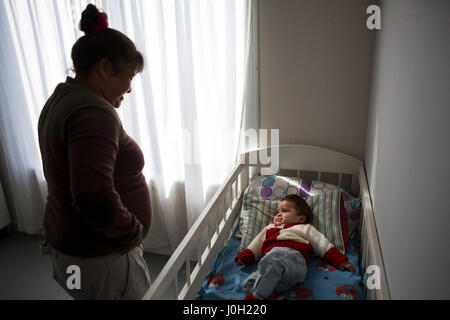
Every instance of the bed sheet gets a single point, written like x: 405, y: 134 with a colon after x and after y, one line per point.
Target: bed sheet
x: 323, y: 281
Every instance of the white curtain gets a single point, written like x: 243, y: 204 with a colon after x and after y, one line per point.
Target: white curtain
x: 185, y: 109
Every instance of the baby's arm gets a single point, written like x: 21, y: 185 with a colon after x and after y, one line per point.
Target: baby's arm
x: 253, y: 251
x: 327, y: 251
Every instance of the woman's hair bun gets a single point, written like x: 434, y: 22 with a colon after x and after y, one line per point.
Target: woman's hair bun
x: 100, y: 41
x: 89, y: 18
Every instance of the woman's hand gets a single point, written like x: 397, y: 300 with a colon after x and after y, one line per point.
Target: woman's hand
x: 346, y: 266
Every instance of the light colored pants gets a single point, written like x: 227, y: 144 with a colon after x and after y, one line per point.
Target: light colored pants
x: 109, y: 277
x: 279, y: 270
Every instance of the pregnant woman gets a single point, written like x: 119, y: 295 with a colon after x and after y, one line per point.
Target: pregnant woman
x: 98, y: 206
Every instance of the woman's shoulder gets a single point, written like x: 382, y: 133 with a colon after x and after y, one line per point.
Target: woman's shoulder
x: 77, y: 101
x: 86, y: 99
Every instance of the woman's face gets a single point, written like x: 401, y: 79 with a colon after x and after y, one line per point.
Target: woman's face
x: 118, y: 84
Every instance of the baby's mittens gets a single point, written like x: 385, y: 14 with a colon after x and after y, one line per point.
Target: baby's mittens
x: 246, y: 256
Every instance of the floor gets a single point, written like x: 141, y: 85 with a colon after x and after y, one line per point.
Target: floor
x: 25, y: 274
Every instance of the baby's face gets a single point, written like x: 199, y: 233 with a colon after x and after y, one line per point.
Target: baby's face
x: 287, y: 214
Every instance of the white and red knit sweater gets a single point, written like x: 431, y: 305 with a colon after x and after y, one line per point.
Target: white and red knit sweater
x: 301, y: 237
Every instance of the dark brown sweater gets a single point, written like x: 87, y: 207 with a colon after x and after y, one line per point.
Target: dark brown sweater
x: 98, y: 200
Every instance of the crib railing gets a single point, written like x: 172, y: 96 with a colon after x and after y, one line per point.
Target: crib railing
x: 370, y: 244
x: 203, y: 241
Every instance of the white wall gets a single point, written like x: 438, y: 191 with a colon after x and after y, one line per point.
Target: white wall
x: 407, y: 153
x: 315, y: 63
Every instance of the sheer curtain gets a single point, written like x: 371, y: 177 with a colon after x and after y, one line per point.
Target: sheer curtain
x: 185, y: 109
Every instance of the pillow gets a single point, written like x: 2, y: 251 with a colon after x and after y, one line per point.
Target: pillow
x: 256, y: 214
x: 328, y: 213
x: 353, y: 212
x: 276, y: 187
x: 329, y: 217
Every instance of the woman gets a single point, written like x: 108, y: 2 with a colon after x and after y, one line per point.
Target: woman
x: 98, y: 207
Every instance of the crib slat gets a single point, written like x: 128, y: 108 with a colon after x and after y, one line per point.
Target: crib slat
x: 209, y: 237
x: 175, y: 287
x: 188, y: 272
x: 319, y: 176
x: 222, y: 207
x: 217, y: 214
x: 199, y: 256
x: 244, y: 178
x: 340, y: 180
x: 226, y: 204
x: 238, y: 184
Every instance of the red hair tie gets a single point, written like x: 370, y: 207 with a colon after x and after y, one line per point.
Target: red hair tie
x: 102, y: 24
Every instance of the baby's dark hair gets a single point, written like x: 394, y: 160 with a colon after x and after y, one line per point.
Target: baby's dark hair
x: 303, y: 208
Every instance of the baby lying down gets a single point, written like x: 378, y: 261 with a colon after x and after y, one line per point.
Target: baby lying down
x: 285, y: 246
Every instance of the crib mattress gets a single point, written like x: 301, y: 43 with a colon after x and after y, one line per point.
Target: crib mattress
x: 323, y: 282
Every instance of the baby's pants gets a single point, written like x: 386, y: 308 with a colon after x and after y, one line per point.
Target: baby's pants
x: 279, y: 270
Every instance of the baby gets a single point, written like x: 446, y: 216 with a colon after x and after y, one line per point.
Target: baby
x: 285, y: 246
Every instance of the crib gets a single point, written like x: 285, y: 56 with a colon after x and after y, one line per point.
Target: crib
x: 221, y: 216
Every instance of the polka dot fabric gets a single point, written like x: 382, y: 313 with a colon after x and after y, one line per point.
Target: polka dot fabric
x: 277, y: 187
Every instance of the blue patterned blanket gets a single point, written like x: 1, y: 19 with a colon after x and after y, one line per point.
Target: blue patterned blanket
x: 323, y: 282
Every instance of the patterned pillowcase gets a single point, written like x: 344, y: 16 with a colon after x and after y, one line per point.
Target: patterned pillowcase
x: 276, y: 187
x: 328, y: 212
x: 353, y: 211
x: 329, y: 217
x: 256, y: 214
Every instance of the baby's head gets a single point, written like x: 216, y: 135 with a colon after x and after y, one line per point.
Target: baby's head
x: 291, y: 210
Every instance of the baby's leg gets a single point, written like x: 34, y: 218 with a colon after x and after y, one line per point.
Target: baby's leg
x: 294, y: 272
x: 280, y: 269
x: 249, y: 283
x: 271, y: 270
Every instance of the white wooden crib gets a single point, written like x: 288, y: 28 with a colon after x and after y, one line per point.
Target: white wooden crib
x: 221, y: 215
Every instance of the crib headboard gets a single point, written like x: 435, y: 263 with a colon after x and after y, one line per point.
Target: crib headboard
x: 308, y: 162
